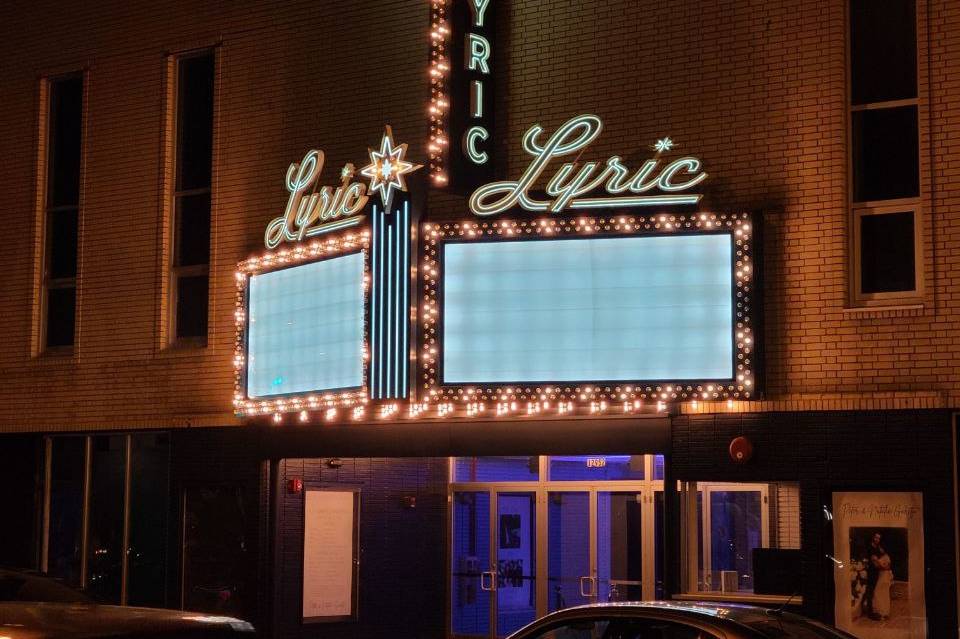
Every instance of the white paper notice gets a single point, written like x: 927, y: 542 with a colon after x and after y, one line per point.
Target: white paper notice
x: 328, y: 554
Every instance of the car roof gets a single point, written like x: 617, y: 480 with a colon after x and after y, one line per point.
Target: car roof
x: 711, y: 610
x: 88, y: 621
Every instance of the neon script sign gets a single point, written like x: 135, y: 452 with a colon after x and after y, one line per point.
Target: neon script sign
x: 336, y: 207
x: 574, y: 181
x: 316, y: 213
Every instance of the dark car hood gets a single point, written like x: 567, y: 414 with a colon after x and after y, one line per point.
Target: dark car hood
x: 31, y: 620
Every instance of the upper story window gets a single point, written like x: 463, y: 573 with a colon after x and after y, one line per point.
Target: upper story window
x: 190, y: 269
x: 64, y: 123
x: 886, y: 215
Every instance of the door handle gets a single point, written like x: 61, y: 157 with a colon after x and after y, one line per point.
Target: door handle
x: 593, y: 586
x: 488, y: 586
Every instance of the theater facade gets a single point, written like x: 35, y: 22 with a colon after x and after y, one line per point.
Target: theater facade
x: 441, y: 316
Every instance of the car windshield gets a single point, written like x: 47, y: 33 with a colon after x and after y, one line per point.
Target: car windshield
x: 24, y: 586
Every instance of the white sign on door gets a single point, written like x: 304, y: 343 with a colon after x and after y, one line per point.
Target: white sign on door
x: 328, y: 554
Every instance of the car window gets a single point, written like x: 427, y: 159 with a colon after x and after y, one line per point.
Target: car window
x: 613, y: 628
x: 789, y: 626
x: 577, y: 629
x: 16, y: 586
x: 654, y: 629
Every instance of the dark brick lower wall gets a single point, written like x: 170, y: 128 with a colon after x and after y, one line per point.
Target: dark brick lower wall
x: 402, y: 581
x: 831, y: 451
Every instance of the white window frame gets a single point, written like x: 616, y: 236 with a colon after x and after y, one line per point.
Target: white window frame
x: 177, y: 272
x: 857, y: 209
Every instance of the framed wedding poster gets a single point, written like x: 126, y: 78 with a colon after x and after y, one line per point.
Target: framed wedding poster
x: 330, y: 546
x: 878, y: 553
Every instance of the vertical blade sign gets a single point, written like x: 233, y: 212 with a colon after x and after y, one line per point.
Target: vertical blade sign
x: 463, y: 158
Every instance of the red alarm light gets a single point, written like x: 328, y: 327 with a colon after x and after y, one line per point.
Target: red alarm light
x: 741, y: 450
x: 294, y: 485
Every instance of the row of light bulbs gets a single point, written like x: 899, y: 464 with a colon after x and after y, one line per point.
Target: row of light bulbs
x: 422, y: 410
x: 439, y: 102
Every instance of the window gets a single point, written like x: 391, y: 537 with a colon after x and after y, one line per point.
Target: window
x: 108, y: 468
x: 622, y: 628
x: 190, y: 270
x: 742, y: 538
x: 496, y: 469
x: 149, y: 505
x: 65, y: 493
x: 107, y: 493
x: 885, y: 152
x: 887, y: 250
x: 64, y: 121
x: 596, y: 467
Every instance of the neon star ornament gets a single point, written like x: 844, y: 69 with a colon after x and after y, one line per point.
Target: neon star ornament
x: 663, y: 144
x: 387, y: 168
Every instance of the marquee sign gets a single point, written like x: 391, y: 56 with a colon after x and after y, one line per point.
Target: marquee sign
x: 571, y: 186
x: 597, y: 312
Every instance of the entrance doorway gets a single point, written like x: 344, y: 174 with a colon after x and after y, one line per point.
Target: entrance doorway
x: 530, y: 535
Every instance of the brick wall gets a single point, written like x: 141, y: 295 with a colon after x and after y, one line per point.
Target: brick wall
x: 402, y: 580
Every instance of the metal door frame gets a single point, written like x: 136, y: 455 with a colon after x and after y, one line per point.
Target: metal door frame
x: 646, y: 488
x: 706, y: 489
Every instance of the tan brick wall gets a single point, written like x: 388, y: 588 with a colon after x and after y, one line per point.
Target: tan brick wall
x: 756, y: 89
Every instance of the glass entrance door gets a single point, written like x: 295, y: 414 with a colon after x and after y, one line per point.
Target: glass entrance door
x: 571, y: 576
x: 516, y: 566
x: 620, y: 546
x: 472, y: 580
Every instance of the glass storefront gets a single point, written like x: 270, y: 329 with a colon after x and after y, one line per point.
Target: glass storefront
x: 105, y: 523
x: 530, y: 535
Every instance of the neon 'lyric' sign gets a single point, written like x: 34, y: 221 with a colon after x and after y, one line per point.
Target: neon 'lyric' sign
x: 319, y: 212
x: 652, y: 184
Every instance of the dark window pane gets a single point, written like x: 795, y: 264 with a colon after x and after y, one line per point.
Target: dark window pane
x: 17, y: 585
x: 66, y: 126
x: 885, y: 154
x: 215, y: 551
x: 192, y: 306
x: 149, y: 505
x: 735, y: 530
x: 62, y: 234
x: 195, y: 122
x: 61, y: 313
x: 887, y: 260
x: 883, y: 50
x: 66, y: 508
x: 193, y: 230
x: 658, y: 544
x: 105, y: 543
